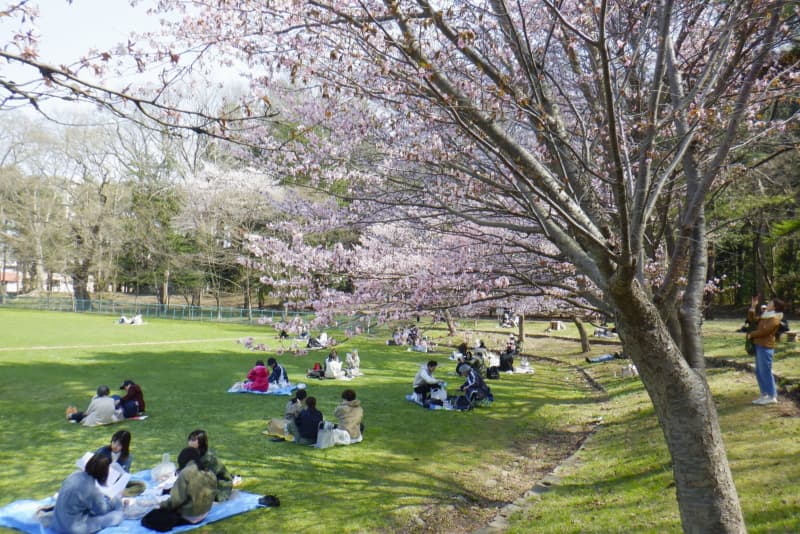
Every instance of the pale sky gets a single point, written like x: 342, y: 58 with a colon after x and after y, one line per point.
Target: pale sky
x: 69, y: 31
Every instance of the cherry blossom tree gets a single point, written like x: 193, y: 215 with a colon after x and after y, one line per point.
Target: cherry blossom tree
x: 586, y: 133
x: 599, y: 127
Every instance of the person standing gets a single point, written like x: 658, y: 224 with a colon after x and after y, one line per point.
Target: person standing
x: 764, y: 338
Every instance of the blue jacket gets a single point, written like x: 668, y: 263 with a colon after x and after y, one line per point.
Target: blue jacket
x: 125, y: 464
x: 78, y: 500
x: 308, y: 423
x: 278, y: 374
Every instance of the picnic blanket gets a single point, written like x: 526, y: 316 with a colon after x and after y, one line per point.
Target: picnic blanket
x: 21, y: 515
x: 134, y: 418
x: 286, y: 390
x: 446, y: 405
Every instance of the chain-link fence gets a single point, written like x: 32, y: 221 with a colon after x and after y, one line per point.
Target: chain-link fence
x: 151, y: 310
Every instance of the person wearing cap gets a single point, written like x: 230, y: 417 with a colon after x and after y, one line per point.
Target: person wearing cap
x: 132, y: 404
x: 190, y: 498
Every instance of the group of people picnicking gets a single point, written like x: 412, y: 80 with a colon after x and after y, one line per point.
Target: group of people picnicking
x: 106, y: 409
x: 302, y: 422
x: 411, y: 337
x: 429, y: 389
x: 333, y: 367
x: 82, y: 508
x: 201, y: 479
x: 260, y: 378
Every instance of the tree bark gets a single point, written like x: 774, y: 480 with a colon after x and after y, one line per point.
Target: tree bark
x: 585, y: 346
x: 683, y: 403
x: 451, y: 326
x: 80, y: 288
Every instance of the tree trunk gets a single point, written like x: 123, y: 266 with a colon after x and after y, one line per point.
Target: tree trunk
x: 706, y: 494
x: 80, y: 288
x: 521, y: 330
x: 451, y: 326
x: 585, y: 347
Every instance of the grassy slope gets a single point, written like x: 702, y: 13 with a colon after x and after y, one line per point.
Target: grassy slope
x: 622, y: 479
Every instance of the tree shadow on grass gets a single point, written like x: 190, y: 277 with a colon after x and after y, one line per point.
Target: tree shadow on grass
x: 410, y: 458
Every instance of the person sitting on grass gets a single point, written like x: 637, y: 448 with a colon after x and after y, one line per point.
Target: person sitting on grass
x: 132, y: 404
x: 352, y: 364
x: 278, y: 427
x: 257, y: 378
x: 80, y: 507
x: 190, y: 498
x: 305, y: 426
x: 198, y: 439
x: 474, y: 388
x: 278, y: 375
x: 119, y: 450
x: 424, y: 381
x: 350, y: 414
x: 333, y: 365
x: 102, y: 410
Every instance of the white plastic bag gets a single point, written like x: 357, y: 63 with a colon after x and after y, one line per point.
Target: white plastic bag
x: 162, y: 471
x: 439, y: 393
x: 325, y: 437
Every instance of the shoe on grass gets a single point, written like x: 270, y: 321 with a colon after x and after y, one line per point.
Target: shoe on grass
x: 763, y: 401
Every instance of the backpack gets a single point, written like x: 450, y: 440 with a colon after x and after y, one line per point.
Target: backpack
x: 493, y: 372
x: 783, y: 327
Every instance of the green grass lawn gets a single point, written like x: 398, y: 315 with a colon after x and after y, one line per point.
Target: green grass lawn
x: 414, y: 465
x: 417, y: 470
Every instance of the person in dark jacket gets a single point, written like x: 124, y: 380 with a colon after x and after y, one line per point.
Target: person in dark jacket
x: 305, y: 426
x: 132, y: 404
x: 278, y: 374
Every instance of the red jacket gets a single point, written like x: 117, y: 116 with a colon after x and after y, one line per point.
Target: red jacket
x: 259, y: 379
x: 135, y: 393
